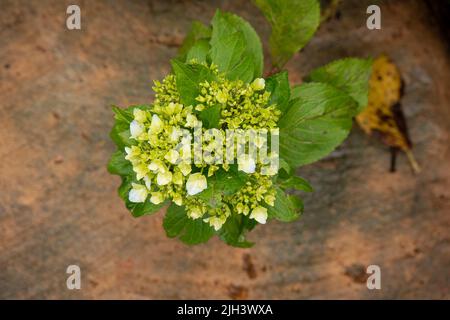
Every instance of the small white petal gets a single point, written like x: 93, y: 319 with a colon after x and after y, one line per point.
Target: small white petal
x: 148, y: 182
x: 196, y: 183
x: 138, y: 193
x: 156, y: 125
x: 259, y: 214
x: 215, y: 222
x: 172, y: 156
x: 163, y: 178
x: 136, y: 129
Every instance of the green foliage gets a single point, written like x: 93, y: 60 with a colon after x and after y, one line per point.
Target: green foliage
x: 188, y: 78
x: 235, y: 47
x: 177, y: 224
x: 199, y: 51
x: 286, y: 209
x: 234, y: 230
x: 350, y: 75
x: 293, y: 23
x: 210, y: 117
x: 278, y: 86
x: 118, y: 165
x: 317, y: 121
x: 297, y: 183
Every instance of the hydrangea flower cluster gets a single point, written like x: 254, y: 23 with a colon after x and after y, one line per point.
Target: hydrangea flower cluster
x: 162, y: 154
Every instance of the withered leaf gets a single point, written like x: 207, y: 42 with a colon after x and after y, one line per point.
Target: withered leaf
x: 383, y: 115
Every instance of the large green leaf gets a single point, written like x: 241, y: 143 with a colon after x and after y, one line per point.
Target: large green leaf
x: 177, y: 224
x: 188, y: 79
x: 286, y: 208
x: 120, y: 132
x: 316, y: 100
x: 295, y: 182
x: 350, y: 75
x: 315, y: 123
x: 199, y: 51
x: 234, y: 230
x: 119, y: 165
x: 197, y: 33
x: 278, y: 86
x: 235, y: 47
x: 293, y: 24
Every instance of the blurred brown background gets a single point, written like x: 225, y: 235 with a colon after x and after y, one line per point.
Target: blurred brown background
x: 58, y: 205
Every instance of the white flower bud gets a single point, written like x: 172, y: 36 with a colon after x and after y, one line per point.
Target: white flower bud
x: 136, y: 129
x: 215, y: 222
x: 196, y: 183
x: 148, y: 182
x: 156, y: 198
x: 172, y: 156
x: 258, y: 84
x: 156, y: 125
x: 259, y: 214
x: 139, y: 115
x: 163, y: 178
x: 195, y: 213
x: 178, y: 200
x: 191, y: 120
x: 138, y: 193
x: 157, y: 166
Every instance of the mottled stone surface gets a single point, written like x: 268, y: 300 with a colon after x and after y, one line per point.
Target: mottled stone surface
x: 58, y: 205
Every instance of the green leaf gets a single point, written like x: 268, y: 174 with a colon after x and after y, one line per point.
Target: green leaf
x: 315, y: 123
x: 197, y: 32
x: 317, y: 100
x: 228, y: 182
x: 295, y: 183
x: 199, y: 51
x: 226, y: 51
x: 278, y: 86
x: 285, y: 208
x: 120, y: 132
x: 293, y: 23
x: 210, y: 117
x: 234, y: 229
x: 350, y: 75
x: 177, y: 224
x: 119, y: 165
x: 243, y: 70
x: 297, y: 203
x: 136, y: 209
x: 235, y: 47
x: 286, y: 170
x: 188, y: 78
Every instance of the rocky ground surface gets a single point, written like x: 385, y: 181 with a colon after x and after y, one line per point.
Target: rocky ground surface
x: 58, y: 204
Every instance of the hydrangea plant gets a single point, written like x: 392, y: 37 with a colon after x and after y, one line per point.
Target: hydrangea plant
x: 220, y: 143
